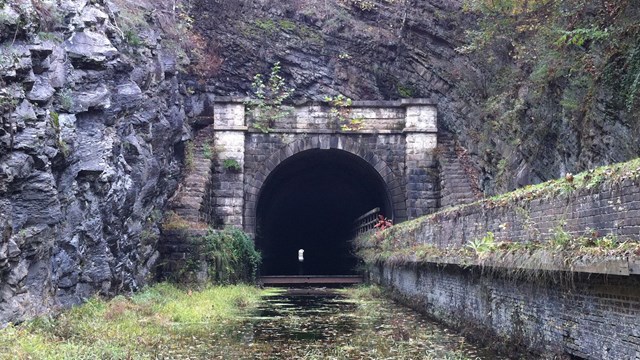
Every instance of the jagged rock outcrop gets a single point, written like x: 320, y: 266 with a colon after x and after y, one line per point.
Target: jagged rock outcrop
x: 91, y: 143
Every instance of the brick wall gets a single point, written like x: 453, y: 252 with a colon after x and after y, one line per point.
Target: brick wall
x: 457, y: 185
x: 384, y: 152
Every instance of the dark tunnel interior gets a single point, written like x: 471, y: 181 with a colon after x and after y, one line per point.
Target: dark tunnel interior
x: 309, y: 202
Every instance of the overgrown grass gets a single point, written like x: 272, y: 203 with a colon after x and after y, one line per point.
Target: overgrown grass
x: 364, y: 292
x: 165, y: 322
x: 528, y: 259
x: 173, y: 221
x: 135, y: 327
x: 587, y: 180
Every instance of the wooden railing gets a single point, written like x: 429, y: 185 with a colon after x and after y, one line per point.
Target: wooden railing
x: 366, y: 222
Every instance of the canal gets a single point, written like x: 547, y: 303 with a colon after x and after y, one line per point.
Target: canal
x: 237, y: 322
x: 354, y: 323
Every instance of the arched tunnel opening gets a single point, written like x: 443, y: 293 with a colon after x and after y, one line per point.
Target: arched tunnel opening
x: 309, y: 201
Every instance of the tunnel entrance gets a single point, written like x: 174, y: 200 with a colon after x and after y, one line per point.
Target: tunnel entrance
x: 309, y: 201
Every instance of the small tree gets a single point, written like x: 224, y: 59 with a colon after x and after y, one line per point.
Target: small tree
x: 340, y: 113
x: 267, y: 108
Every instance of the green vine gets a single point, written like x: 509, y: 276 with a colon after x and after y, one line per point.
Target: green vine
x: 55, y: 124
x: 7, y: 105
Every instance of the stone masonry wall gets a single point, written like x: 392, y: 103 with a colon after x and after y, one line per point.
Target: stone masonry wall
x: 228, y: 179
x: 397, y: 138
x: 458, y: 184
x: 593, y: 317
x: 612, y: 208
x: 592, y: 313
x: 388, y: 147
x: 191, y: 195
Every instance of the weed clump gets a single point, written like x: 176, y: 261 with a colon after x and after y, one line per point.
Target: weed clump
x: 230, y: 255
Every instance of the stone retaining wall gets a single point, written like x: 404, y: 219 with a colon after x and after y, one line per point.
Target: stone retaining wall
x: 588, y: 313
x: 613, y: 208
x: 591, y: 317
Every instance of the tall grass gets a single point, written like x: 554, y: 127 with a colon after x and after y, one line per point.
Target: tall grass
x: 126, y: 328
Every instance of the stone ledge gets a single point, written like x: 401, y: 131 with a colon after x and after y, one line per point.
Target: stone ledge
x: 325, y: 131
x: 430, y: 130
x: 392, y: 103
x: 542, y: 260
x: 417, y: 101
x: 231, y: 128
x: 354, y: 104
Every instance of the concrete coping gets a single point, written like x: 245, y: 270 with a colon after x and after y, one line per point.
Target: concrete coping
x: 355, y: 103
x: 231, y: 128
x: 415, y: 130
x: 392, y: 103
x: 417, y: 101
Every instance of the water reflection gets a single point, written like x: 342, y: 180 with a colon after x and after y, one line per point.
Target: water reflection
x: 326, y: 324
x: 298, y: 315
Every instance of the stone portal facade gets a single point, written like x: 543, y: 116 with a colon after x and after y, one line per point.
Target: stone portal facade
x: 229, y: 160
x: 397, y: 138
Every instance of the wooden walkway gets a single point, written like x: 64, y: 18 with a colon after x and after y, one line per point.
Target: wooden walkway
x: 295, y: 280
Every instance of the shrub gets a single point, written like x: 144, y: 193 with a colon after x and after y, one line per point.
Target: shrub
x: 340, y: 113
x: 230, y: 255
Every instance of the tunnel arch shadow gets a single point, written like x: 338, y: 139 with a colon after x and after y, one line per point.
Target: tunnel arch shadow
x: 309, y: 198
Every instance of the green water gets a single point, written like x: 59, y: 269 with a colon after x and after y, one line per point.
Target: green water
x: 323, y: 324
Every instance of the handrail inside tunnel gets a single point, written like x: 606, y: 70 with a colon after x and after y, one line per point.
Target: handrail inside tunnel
x: 366, y: 222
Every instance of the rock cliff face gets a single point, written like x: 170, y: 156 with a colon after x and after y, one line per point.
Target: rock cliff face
x: 388, y: 49
x: 95, y: 110
x: 93, y: 120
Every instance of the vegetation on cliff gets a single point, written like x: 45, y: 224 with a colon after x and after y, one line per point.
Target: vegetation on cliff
x: 555, y: 75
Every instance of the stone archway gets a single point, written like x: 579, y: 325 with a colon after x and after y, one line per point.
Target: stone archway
x: 308, y: 194
x: 255, y: 183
